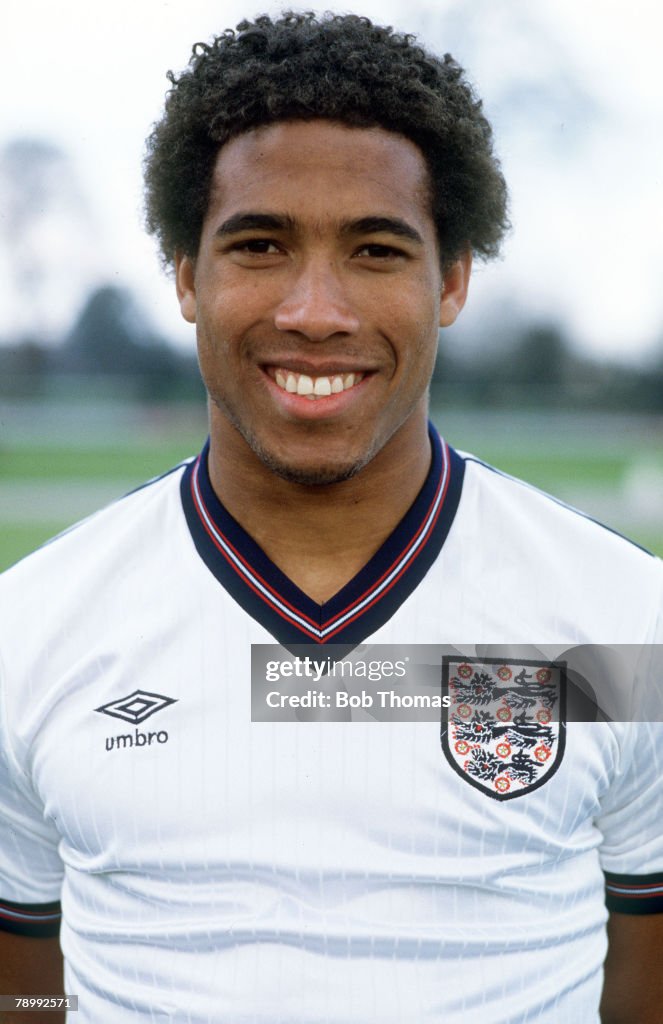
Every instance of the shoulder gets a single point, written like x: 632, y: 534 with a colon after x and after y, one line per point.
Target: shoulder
x: 537, y: 512
x: 97, y: 600
x: 529, y: 540
x: 100, y: 548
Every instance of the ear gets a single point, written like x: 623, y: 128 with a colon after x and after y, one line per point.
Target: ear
x: 455, y: 282
x: 185, y: 283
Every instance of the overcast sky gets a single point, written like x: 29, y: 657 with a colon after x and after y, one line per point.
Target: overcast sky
x: 574, y: 89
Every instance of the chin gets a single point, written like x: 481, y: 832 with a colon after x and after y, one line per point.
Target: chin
x: 311, y: 469
x: 305, y: 468
x: 318, y: 475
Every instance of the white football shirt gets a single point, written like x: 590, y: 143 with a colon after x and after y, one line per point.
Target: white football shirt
x: 214, y: 869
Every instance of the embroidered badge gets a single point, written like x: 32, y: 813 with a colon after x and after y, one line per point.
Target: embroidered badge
x: 506, y: 727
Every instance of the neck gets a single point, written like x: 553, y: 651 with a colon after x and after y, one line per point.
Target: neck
x: 319, y: 536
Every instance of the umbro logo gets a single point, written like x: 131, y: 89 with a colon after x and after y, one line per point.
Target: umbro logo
x: 138, y: 706
x: 135, y: 708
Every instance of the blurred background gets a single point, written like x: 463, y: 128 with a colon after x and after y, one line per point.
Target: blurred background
x: 554, y: 371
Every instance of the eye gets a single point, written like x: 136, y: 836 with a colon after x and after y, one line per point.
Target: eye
x: 258, y: 246
x: 379, y: 252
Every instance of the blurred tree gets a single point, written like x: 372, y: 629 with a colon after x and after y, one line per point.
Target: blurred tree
x: 113, y: 336
x: 526, y: 363
x: 539, y: 360
x: 51, y: 253
x: 24, y: 369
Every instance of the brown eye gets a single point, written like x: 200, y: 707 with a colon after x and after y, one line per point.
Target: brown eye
x: 261, y: 246
x: 379, y: 252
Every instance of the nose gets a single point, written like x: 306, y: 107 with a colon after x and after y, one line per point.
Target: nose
x: 317, y: 305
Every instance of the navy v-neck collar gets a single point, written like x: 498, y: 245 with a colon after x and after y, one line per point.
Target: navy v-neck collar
x: 367, y: 601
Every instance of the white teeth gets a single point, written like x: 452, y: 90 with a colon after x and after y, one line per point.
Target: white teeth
x: 304, y: 385
x: 315, y: 387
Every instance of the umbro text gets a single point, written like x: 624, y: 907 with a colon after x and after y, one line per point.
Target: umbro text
x: 138, y: 739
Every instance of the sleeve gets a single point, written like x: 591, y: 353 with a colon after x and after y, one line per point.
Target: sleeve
x: 631, y: 823
x: 30, y: 867
x: 632, y: 816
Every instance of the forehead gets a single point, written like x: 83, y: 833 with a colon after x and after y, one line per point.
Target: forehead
x: 322, y: 167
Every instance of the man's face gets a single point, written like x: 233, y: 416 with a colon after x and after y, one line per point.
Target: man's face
x: 317, y: 294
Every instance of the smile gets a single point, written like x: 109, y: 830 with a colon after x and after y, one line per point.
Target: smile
x: 315, y: 387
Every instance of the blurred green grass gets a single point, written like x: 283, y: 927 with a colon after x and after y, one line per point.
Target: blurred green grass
x: 108, y: 462
x: 547, y: 470
x: 48, y: 484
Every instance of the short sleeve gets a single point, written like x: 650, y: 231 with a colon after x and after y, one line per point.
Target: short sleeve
x: 631, y: 823
x: 30, y: 867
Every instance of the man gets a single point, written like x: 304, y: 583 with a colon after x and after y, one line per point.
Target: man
x: 320, y: 186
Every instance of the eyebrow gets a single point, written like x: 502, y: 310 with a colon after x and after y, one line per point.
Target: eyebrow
x: 382, y: 225
x: 250, y: 221
x: 254, y: 222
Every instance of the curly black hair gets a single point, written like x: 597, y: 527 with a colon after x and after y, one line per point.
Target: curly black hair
x: 338, y: 67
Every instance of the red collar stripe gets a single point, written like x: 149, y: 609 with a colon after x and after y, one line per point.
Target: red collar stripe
x: 325, y: 631
x: 241, y: 566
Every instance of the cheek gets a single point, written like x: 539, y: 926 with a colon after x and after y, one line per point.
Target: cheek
x: 214, y: 331
x: 415, y: 333
x: 416, y: 305
x: 213, y: 358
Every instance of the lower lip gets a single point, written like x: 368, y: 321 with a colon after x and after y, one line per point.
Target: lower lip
x: 319, y: 408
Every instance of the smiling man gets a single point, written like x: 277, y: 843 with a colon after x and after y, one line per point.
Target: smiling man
x: 320, y: 186
x: 317, y: 291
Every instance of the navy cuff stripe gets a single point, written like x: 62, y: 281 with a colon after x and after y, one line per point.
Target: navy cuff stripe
x: 634, y: 894
x: 38, y: 920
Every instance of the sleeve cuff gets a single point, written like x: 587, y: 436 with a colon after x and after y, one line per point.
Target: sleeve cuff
x: 634, y: 894
x: 38, y: 920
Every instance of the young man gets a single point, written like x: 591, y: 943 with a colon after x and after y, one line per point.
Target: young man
x: 320, y: 186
